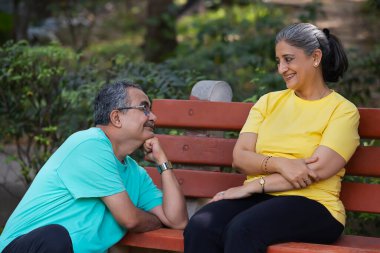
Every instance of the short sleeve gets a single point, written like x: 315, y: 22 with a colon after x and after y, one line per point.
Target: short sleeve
x: 256, y: 116
x: 90, y: 170
x: 150, y: 196
x: 341, y: 133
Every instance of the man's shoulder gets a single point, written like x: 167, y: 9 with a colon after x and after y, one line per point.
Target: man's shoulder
x: 89, y: 136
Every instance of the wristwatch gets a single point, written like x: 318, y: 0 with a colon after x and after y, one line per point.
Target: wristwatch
x: 262, y: 183
x: 164, y: 166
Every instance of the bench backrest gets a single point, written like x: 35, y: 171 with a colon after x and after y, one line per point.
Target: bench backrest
x: 211, y: 151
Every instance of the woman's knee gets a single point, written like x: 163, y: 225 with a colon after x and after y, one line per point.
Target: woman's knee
x: 198, y: 224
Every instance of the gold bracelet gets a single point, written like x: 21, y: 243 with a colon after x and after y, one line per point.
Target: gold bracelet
x: 265, y: 164
x: 261, y: 165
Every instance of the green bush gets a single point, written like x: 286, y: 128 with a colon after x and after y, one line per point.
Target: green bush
x: 34, y: 101
x: 234, y: 44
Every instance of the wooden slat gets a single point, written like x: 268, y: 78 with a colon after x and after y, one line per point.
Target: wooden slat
x: 163, y: 239
x: 200, y: 114
x: 356, y: 197
x: 198, y: 150
x: 201, y: 184
x: 369, y: 126
x: 218, y: 152
x: 360, y: 197
x: 172, y: 239
x: 365, y: 162
x: 212, y: 115
x: 346, y: 244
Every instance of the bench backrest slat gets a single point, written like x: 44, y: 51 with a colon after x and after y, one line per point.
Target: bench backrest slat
x: 205, y: 184
x: 193, y: 150
x: 201, y: 184
x: 361, y: 197
x: 198, y: 150
x: 218, y: 152
x: 200, y: 114
x: 196, y: 114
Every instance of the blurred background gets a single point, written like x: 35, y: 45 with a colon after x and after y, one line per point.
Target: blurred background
x: 56, y: 54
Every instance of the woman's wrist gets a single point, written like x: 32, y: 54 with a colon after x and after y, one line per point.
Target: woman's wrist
x: 253, y: 187
x: 273, y: 164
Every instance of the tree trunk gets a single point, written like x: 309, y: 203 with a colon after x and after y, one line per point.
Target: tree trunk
x: 160, y: 37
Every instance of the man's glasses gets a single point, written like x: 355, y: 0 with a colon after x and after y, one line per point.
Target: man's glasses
x: 144, y: 108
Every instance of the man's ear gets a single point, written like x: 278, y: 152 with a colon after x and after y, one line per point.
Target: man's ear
x: 115, y: 119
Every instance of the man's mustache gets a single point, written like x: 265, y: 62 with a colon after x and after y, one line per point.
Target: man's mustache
x: 150, y: 124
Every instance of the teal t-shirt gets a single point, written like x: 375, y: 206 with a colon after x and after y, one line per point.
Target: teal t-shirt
x: 68, y: 188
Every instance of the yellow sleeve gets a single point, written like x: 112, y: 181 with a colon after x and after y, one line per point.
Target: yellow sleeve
x: 341, y: 133
x: 256, y: 116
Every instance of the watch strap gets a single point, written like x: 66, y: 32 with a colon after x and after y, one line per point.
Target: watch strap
x: 164, y: 166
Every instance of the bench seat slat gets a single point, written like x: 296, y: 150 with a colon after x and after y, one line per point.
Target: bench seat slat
x: 172, y: 239
x: 163, y: 239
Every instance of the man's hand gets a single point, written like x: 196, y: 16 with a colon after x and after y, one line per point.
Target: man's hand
x: 153, y: 151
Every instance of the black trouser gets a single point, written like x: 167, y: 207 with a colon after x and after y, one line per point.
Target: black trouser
x: 251, y: 224
x: 47, y: 239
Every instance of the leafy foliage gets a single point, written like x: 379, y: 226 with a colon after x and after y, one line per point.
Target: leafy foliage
x: 33, y: 101
x: 232, y: 44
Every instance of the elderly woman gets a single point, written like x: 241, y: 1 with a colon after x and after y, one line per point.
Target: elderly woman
x: 293, y: 149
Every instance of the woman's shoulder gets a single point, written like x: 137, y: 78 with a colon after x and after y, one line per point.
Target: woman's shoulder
x: 344, y: 103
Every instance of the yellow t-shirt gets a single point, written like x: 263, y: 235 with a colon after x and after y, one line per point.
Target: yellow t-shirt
x: 288, y: 126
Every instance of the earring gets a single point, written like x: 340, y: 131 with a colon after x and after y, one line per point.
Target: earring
x: 316, y: 64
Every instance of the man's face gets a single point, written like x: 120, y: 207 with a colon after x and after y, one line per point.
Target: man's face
x: 138, y: 124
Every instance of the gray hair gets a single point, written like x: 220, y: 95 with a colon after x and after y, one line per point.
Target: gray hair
x: 109, y: 98
x: 305, y: 36
x: 309, y: 37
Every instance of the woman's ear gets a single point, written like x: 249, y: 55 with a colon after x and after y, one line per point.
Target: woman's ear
x: 317, y: 57
x: 115, y: 118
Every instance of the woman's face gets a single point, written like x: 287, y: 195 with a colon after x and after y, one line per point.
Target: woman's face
x: 295, y: 67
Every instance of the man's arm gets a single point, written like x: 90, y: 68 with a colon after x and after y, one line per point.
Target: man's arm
x: 128, y: 215
x: 173, y: 212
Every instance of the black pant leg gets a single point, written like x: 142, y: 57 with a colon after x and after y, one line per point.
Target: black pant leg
x: 204, y: 232
x: 47, y: 239
x: 280, y: 219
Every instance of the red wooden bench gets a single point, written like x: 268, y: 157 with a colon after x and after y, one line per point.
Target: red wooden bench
x: 210, y: 151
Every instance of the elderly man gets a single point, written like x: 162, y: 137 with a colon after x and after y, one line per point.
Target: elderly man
x: 90, y: 192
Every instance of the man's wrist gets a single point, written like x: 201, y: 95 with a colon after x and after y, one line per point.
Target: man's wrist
x: 167, y: 165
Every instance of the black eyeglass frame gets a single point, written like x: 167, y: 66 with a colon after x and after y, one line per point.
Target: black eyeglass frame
x: 144, y: 108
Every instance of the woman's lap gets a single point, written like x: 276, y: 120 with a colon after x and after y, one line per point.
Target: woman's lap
x: 262, y: 220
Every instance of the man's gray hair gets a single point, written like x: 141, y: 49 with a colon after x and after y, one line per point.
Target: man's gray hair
x: 111, y: 97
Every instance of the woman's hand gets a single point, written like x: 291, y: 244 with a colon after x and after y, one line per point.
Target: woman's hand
x: 238, y: 192
x: 297, y: 172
